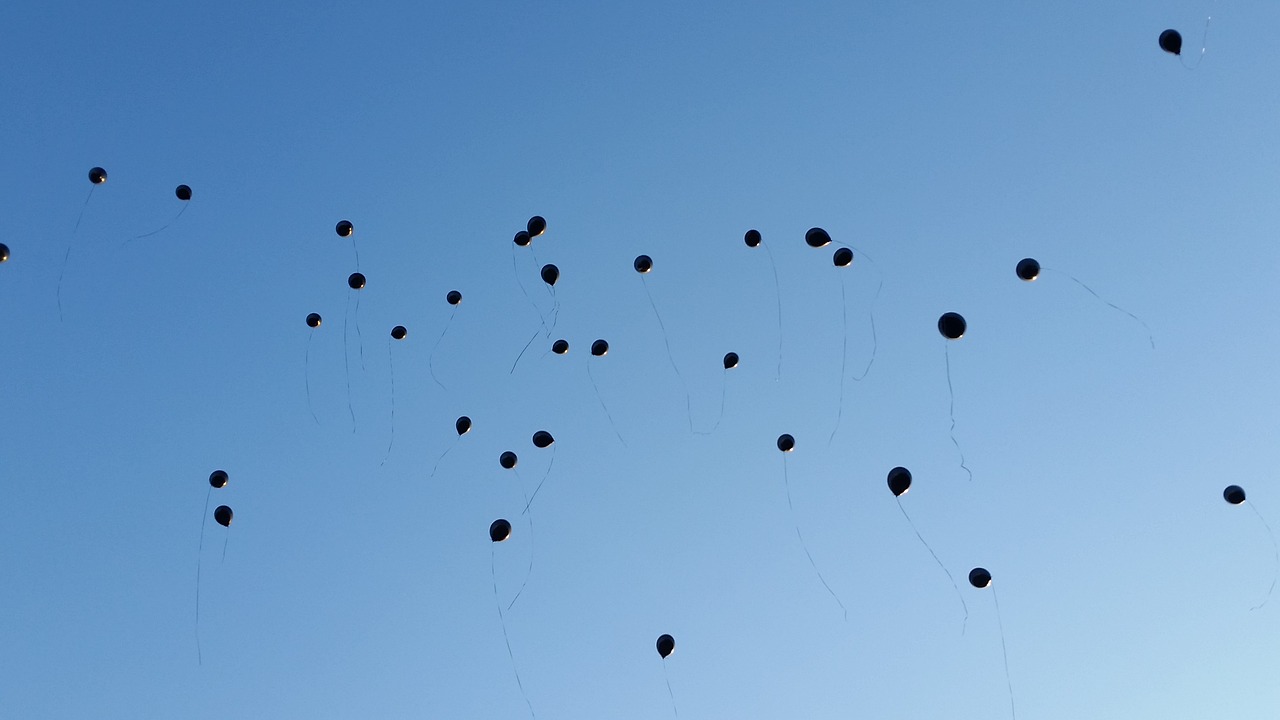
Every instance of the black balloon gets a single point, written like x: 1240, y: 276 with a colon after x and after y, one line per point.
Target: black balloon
x: 1171, y: 42
x: 752, y: 238
x: 218, y: 478
x: 1233, y: 494
x: 355, y: 281
x: 522, y: 238
x: 183, y: 192
x: 463, y: 425
x: 542, y: 439
x: 899, y: 481
x: 536, y: 226
x: 1028, y: 269
x: 97, y: 176
x: 730, y: 360
x: 313, y: 320
x: 550, y: 274
x: 507, y: 460
x: 345, y: 228
x: 453, y: 298
x: 666, y: 646
x: 4, y: 253
x: 643, y: 264
x: 817, y: 237
x: 399, y: 332
x: 599, y: 348
x: 500, y: 530
x: 979, y: 578
x: 222, y: 514
x: 843, y: 257
x: 786, y: 443
x: 560, y: 347
x: 952, y: 326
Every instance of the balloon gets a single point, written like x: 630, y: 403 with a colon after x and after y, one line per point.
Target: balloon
x: 218, y: 478
x: 500, y: 530
x: 643, y: 264
x: 4, y: 253
x: 730, y: 360
x: 463, y: 425
x: 1171, y: 42
x: 786, y: 443
x: 507, y: 460
x: 522, y: 238
x: 542, y: 439
x: 560, y: 347
x: 550, y: 274
x: 843, y: 257
x: 666, y: 646
x: 1233, y: 494
x: 313, y: 320
x: 345, y: 228
x: 222, y: 514
x: 1028, y: 269
x: 399, y: 332
x: 355, y: 281
x: 899, y: 481
x: 183, y: 192
x: 97, y: 176
x: 817, y: 237
x: 453, y: 298
x: 752, y: 238
x: 599, y: 348
x: 952, y: 326
x: 979, y: 578
x: 536, y: 226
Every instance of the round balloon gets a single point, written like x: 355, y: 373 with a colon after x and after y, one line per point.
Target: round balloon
x: 463, y: 425
x: 313, y: 320
x: 97, y: 176
x: 507, y: 460
x: 560, y: 347
x: 786, y: 443
x: 4, y: 253
x: 817, y: 237
x: 1233, y: 494
x: 952, y: 326
x: 183, y: 192
x: 843, y: 257
x: 899, y: 481
x: 453, y: 298
x: 536, y: 226
x: 730, y: 360
x: 222, y: 514
x: 399, y: 332
x: 522, y: 238
x: 345, y: 228
x: 643, y: 264
x: 355, y: 281
x: 1028, y: 269
x: 752, y: 238
x: 666, y: 646
x: 550, y: 274
x: 218, y: 478
x: 979, y: 578
x: 1171, y: 42
x: 542, y: 439
x: 599, y: 348
x: 500, y: 530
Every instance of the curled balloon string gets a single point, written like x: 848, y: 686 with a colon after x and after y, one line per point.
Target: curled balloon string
x: 493, y: 572
x: 965, y: 623
x: 1204, y: 44
x: 1150, y: 338
x: 787, y: 483
x: 346, y: 361
x: 555, y: 310
x: 952, y: 411
x: 204, y: 520
x: 306, y: 376
x: 359, y: 335
x: 688, y: 406
x: 545, y: 475
x: 1004, y: 652
x: 432, y: 357
x: 844, y: 355
x: 391, y: 363
x: 532, y: 337
x: 600, y: 397
x: 525, y: 290
x: 674, y: 710
x: 162, y: 228
x: 724, y: 388
x: 1275, y: 555
x: 777, y: 292
x: 875, y: 341
x: 529, y: 516
x: 446, y: 452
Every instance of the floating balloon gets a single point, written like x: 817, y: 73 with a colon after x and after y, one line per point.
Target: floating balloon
x: 1028, y: 269
x: 536, y: 226
x: 542, y: 439
x: 222, y: 514
x: 1171, y: 42
x: 730, y: 360
x: 843, y: 257
x: 463, y: 425
x: 97, y: 176
x: 218, y: 478
x: 1233, y: 494
x: 507, y: 460
x: 666, y: 646
x: 952, y: 326
x: 399, y: 332
x: 979, y: 578
x: 752, y: 238
x: 899, y: 481
x: 643, y: 264
x: 500, y: 530
x: 313, y: 320
x: 355, y: 281
x: 183, y: 192
x: 786, y: 443
x: 453, y: 298
x: 4, y: 253
x: 817, y: 237
x: 550, y: 274
x: 522, y: 238
x: 560, y: 347
x: 599, y: 348
x: 345, y: 228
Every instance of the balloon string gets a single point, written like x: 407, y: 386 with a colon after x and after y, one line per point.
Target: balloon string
x: 82, y: 208
x: 225, y: 540
x: 532, y: 337
x: 525, y: 290
x: 724, y: 389
x: 67, y: 256
x: 528, y: 572
x: 844, y: 355
x: 1005, y: 653
x: 446, y: 452
x: 951, y: 392
x: 432, y: 357
x: 355, y: 250
x: 777, y: 291
x: 787, y: 484
x: 547, y: 474
x: 391, y: 362
x: 674, y: 710
x: 599, y: 397
x: 1204, y: 44
x: 875, y: 342
x: 666, y: 340
x: 965, y: 624
x: 359, y: 335
x: 505, y: 636
x: 306, y: 376
x: 204, y: 520
x: 166, y: 225
x: 1150, y: 338
x: 346, y: 360
x: 555, y: 310
x: 1276, y: 556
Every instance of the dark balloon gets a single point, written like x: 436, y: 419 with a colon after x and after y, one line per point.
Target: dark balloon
x: 463, y: 425
x: 643, y: 264
x: 313, y: 320
x: 1233, y: 494
x: 4, y: 253
x: 218, y: 478
x: 666, y: 646
x: 355, y: 281
x: 345, y: 228
x: 453, y: 298
x: 979, y: 578
x: 1028, y: 269
x: 952, y: 326
x: 899, y: 481
x: 507, y: 460
x: 536, y: 226
x: 752, y: 238
x: 522, y: 238
x: 222, y: 514
x: 817, y: 237
x: 1171, y: 42
x: 560, y: 347
x: 550, y: 274
x: 399, y: 332
x: 183, y: 192
x: 843, y: 257
x: 542, y: 439
x: 97, y: 176
x: 730, y: 360
x: 500, y: 530
x: 786, y: 443
x: 599, y: 348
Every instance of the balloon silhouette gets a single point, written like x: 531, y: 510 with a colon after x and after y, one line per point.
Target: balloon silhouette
x: 500, y: 530
x: 817, y: 237
x: 222, y: 514
x: 666, y: 646
x: 4, y: 253
x: 1028, y: 269
x: 952, y: 326
x: 1233, y: 494
x: 786, y: 443
x: 1171, y: 42
x: 843, y: 257
x: 344, y: 228
x: 979, y: 578
x: 542, y: 439
x: 752, y: 238
x: 507, y: 460
x: 643, y: 264
x: 97, y: 176
x: 463, y: 425
x: 560, y: 347
x: 399, y: 332
x: 536, y: 226
x: 356, y: 281
x: 522, y: 238
x: 899, y: 481
x: 453, y: 298
x: 730, y: 360
x: 599, y: 348
x: 550, y: 274
x: 313, y: 320
x: 218, y: 479
x: 183, y: 192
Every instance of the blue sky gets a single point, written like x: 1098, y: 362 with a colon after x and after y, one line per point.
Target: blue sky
x: 944, y: 144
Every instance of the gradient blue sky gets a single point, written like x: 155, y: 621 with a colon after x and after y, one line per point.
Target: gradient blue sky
x: 943, y: 140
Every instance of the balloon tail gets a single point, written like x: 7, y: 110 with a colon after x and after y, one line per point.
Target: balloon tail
x: 1275, y: 555
x: 724, y: 388
x: 1150, y: 338
x: 82, y: 209
x: 787, y: 483
x: 346, y: 361
x: 532, y: 337
x: 844, y: 356
x: 1204, y: 44
x: 359, y: 335
x: 952, y: 394
x: 62, y: 272
x: 391, y: 362
x: 777, y: 291
x: 667, y: 341
x: 505, y: 636
x: 529, y: 501
x: 432, y: 357
x: 355, y: 251
x: 1005, y: 653
x: 529, y: 571
x: 600, y: 397
x: 204, y: 520
x: 875, y: 341
x: 225, y: 540
x: 674, y: 710
x: 446, y: 452
x: 965, y: 623
x: 525, y: 290
x: 306, y: 376
x: 162, y: 228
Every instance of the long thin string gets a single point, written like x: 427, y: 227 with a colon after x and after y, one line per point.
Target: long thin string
x: 532, y: 337
x: 355, y: 250
x: 505, y: 637
x: 875, y: 341
x: 359, y: 335
x: 446, y: 452
x: 225, y: 541
x: 431, y: 359
x: 204, y: 520
x: 600, y: 397
x: 1004, y: 652
x: 674, y: 710
x: 306, y: 375
x: 346, y: 361
x: 67, y: 256
x: 844, y: 355
x: 1276, y: 556
x: 1150, y: 338
x: 809, y: 555
x: 525, y: 290
x: 951, y: 392
x: 777, y: 291
x: 666, y: 340
x: 724, y: 391
x: 392, y: 364
x: 545, y: 475
x: 965, y: 624
x: 529, y: 516
x: 185, y: 205
x: 1204, y: 44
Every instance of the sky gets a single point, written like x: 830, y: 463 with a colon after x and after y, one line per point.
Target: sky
x: 941, y: 143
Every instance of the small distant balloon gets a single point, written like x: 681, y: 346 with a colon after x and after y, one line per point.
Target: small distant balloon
x: 355, y: 281
x: 979, y: 578
x: 522, y: 238
x: 952, y: 326
x: 218, y: 478
x: 463, y: 425
x: 817, y: 237
x: 1233, y: 494
x: 752, y: 238
x: 843, y: 257
x: 4, y: 253
x: 222, y: 514
x: 183, y: 192
x: 730, y: 360
x: 666, y: 646
x: 899, y: 481
x: 536, y: 226
x: 97, y: 176
x: 500, y: 530
x: 313, y: 320
x: 643, y: 264
x: 786, y: 443
x: 542, y: 439
x: 550, y: 274
x: 345, y: 228
x: 507, y: 460
x: 599, y: 348
x: 1028, y: 269
x: 1171, y: 42
x: 560, y: 347
x: 399, y: 332
x: 453, y: 298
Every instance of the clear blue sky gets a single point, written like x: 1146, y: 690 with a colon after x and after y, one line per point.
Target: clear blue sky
x: 945, y: 141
